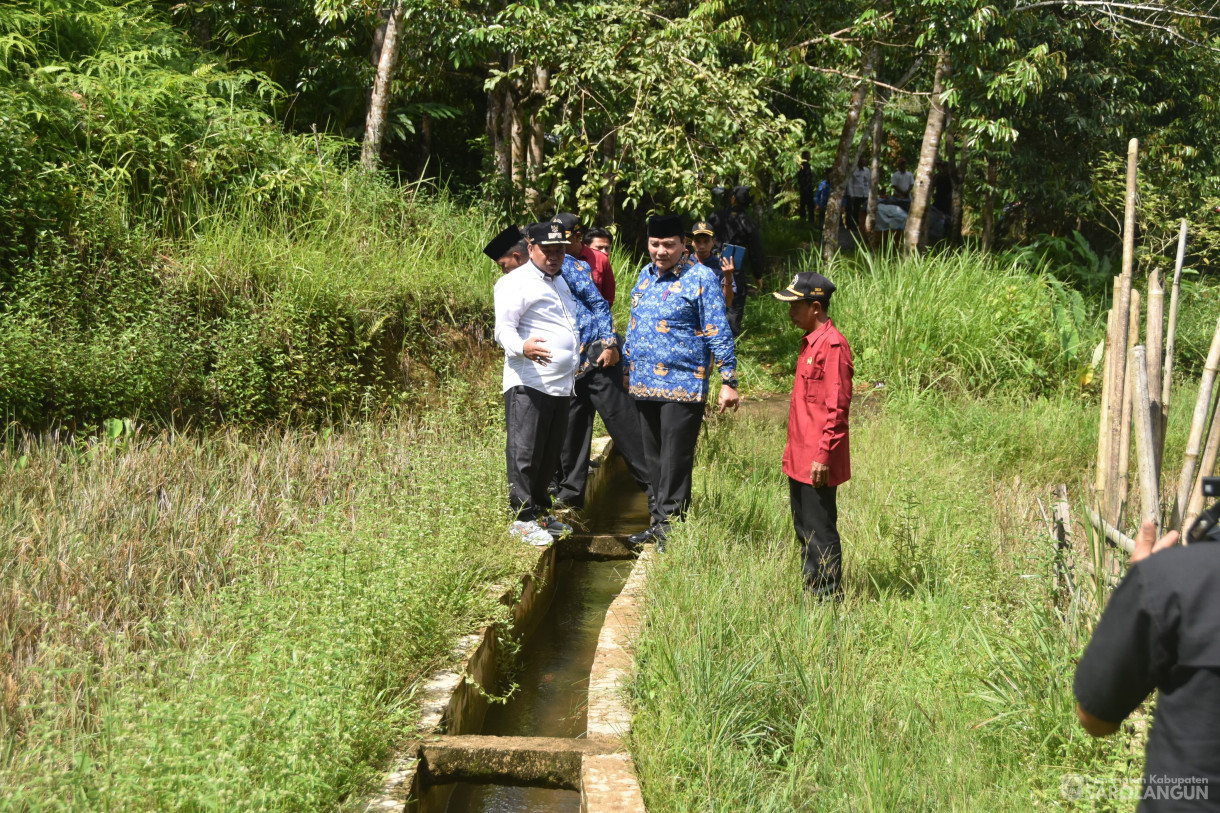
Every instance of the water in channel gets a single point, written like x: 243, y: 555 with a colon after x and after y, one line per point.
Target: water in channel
x: 553, y: 680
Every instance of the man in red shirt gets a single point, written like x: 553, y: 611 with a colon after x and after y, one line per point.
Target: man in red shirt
x: 816, y: 458
x: 599, y: 262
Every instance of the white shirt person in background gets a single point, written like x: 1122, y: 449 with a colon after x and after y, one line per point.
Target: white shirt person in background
x: 536, y: 326
x: 902, y: 180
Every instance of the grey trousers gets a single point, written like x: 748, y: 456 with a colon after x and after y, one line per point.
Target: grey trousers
x: 535, y: 424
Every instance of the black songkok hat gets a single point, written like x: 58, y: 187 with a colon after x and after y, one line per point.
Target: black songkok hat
x: 550, y: 233
x: 502, y: 242
x: 807, y: 285
x: 666, y: 226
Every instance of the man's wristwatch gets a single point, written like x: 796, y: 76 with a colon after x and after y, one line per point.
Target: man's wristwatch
x: 731, y: 383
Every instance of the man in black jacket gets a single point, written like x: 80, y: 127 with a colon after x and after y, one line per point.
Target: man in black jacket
x: 734, y: 225
x: 1160, y: 631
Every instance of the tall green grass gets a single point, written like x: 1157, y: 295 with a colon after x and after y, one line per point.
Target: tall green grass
x: 942, y: 682
x: 959, y: 322
x: 241, y: 619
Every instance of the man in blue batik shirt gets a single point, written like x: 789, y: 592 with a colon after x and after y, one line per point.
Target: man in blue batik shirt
x: 677, y: 326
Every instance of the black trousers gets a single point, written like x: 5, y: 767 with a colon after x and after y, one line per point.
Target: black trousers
x: 805, y: 210
x: 854, y: 207
x: 670, y: 430
x: 535, y: 423
x: 600, y: 390
x: 815, y: 516
x: 737, y: 310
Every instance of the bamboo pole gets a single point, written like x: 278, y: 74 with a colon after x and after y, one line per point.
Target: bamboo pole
x: 1197, y: 424
x: 1118, y: 365
x: 1103, y: 422
x: 1153, y: 337
x: 1111, y: 533
x: 1171, y: 333
x: 1210, y: 452
x: 1124, y: 448
x: 1145, y: 441
x: 1122, y: 301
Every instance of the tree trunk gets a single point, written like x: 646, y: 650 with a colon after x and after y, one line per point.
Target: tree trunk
x: 841, y: 168
x: 425, y: 146
x: 536, y: 142
x: 605, y: 197
x: 927, y: 157
x: 516, y: 120
x: 989, y: 206
x: 959, y: 186
x: 374, y: 126
x: 496, y: 143
x: 880, y: 96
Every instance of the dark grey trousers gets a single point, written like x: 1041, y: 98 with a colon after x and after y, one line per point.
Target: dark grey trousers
x: 815, y: 517
x: 600, y: 390
x: 670, y: 430
x: 535, y: 424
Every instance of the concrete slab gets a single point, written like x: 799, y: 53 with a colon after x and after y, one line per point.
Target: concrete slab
x: 608, y: 783
x: 545, y: 762
x: 595, y: 547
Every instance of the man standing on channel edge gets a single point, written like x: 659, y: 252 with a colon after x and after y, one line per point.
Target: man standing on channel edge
x: 816, y: 458
x: 536, y: 326
x: 677, y: 325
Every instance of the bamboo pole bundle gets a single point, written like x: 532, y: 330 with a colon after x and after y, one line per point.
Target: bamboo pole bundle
x: 1103, y: 423
x: 1122, y: 302
x: 1154, y: 325
x: 1210, y: 452
x: 1124, y: 447
x: 1116, y: 536
x: 1145, y: 441
x: 1197, y: 424
x: 1171, y: 333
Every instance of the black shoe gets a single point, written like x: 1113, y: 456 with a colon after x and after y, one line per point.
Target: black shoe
x: 642, y: 538
x: 595, y: 464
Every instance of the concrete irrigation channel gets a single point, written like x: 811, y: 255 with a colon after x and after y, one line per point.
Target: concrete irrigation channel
x: 559, y: 742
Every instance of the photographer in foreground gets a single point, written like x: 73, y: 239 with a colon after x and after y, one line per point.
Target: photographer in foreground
x: 1161, y: 630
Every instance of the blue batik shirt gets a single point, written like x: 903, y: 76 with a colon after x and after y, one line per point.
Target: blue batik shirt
x: 677, y: 326
x: 593, y: 319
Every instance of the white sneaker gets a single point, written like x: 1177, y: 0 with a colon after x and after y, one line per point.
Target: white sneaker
x: 530, y: 532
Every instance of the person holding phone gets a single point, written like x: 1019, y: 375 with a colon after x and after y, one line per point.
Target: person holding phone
x: 817, y: 458
x: 677, y: 326
x: 703, y: 237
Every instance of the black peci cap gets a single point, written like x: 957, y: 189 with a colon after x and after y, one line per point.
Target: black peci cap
x: 570, y: 222
x: 666, y: 226
x: 807, y: 285
x: 548, y: 234
x: 502, y: 242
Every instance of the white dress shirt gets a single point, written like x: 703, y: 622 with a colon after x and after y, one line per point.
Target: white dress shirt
x: 902, y: 181
x: 857, y: 187
x: 531, y: 304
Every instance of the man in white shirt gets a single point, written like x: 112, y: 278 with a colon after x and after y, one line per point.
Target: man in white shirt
x: 857, y: 193
x: 902, y: 180
x: 536, y: 326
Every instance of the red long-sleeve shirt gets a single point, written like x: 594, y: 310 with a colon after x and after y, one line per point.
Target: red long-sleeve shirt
x: 603, y: 275
x: 821, y: 400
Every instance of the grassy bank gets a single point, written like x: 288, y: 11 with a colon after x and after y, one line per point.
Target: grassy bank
x: 240, y: 619
x: 943, y: 681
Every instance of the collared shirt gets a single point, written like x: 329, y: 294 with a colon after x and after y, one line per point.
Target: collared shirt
x: 530, y: 303
x: 821, y: 195
x: 1161, y: 631
x: 593, y: 319
x: 857, y: 187
x: 677, y: 325
x: 902, y: 181
x: 603, y: 274
x: 821, y: 400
